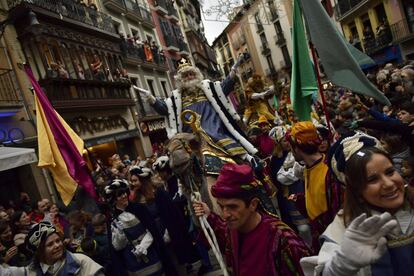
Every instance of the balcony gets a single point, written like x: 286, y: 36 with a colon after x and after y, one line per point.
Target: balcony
x: 260, y: 28
x: 280, y: 40
x: 172, y: 13
x: 147, y: 18
x: 160, y: 6
x: 378, y: 43
x: 134, y: 55
x: 115, y: 5
x: 265, y: 49
x: 67, y: 94
x: 171, y: 43
x: 200, y: 60
x: 183, y: 47
x: 9, y: 96
x: 346, y: 7
x: 67, y: 10
x: 133, y: 10
x: 402, y: 31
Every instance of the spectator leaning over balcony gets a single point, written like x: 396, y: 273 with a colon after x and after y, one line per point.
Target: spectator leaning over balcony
x: 97, y: 69
x: 154, y: 50
x: 147, y: 51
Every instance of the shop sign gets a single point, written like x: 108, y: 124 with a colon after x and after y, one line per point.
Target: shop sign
x: 156, y: 125
x: 94, y: 125
x: 110, y: 138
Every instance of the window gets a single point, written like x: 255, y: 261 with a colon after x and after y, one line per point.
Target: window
x: 278, y: 28
x: 270, y: 62
x: 257, y: 19
x: 134, y: 81
x: 117, y: 27
x: 286, y: 56
x: 151, y: 86
x: 263, y: 39
x: 164, y: 88
x: 149, y: 38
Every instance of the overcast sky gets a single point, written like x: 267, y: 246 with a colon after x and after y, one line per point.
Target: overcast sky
x: 213, y: 26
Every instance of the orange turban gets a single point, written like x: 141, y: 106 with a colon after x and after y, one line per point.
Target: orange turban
x: 304, y: 133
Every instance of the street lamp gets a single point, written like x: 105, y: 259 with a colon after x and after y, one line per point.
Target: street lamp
x: 32, y: 20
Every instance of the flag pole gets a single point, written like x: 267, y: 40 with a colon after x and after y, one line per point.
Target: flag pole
x: 318, y: 76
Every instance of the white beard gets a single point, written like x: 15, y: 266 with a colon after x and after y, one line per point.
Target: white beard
x: 190, y: 86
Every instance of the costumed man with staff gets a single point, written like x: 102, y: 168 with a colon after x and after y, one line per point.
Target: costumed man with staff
x: 254, y: 242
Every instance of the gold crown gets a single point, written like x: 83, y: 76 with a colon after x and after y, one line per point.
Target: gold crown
x: 183, y: 63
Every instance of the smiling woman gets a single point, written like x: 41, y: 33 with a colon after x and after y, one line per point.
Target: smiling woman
x: 50, y: 256
x: 375, y: 227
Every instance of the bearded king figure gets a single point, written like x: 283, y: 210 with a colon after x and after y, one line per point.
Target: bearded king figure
x: 208, y: 100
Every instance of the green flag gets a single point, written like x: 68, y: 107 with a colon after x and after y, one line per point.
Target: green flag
x: 335, y: 55
x: 303, y: 81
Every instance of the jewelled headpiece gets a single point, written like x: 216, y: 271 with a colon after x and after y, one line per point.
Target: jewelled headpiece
x: 182, y: 63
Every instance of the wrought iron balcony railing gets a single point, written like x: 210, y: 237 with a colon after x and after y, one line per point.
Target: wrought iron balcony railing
x: 72, y: 10
x: 402, y: 30
x: 75, y: 94
x: 346, y: 6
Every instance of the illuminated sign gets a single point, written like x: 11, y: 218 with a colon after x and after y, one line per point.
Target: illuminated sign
x: 11, y: 136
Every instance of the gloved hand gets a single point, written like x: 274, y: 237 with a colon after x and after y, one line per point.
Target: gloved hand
x: 364, y: 240
x: 257, y: 96
x: 142, y: 247
x: 239, y: 61
x: 145, y: 94
x: 363, y: 244
x: 139, y: 251
x: 233, y: 70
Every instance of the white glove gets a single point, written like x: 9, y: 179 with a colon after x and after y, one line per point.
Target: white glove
x: 363, y: 244
x: 145, y: 94
x: 233, y: 70
x: 166, y: 237
x: 142, y: 247
x: 256, y: 96
x: 238, y: 62
x: 272, y: 132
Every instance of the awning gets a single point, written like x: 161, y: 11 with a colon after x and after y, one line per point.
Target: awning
x: 15, y: 157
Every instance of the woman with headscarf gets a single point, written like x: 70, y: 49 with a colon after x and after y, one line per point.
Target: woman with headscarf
x: 373, y: 233
x: 50, y: 256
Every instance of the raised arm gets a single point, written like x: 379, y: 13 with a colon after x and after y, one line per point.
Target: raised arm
x: 158, y: 104
x: 228, y: 84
